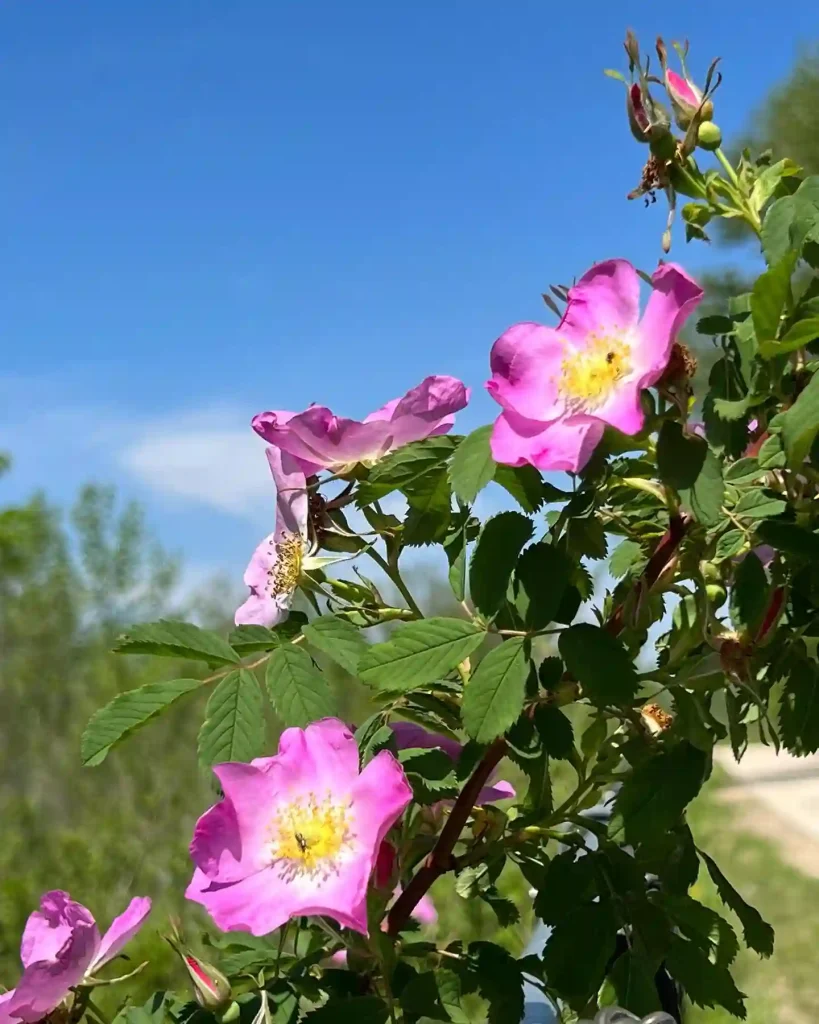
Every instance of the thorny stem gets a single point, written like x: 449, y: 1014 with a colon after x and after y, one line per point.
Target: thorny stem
x: 441, y: 859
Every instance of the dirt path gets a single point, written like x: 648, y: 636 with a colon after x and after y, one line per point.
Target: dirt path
x: 779, y: 799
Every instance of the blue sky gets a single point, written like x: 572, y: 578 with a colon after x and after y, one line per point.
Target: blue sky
x: 214, y: 208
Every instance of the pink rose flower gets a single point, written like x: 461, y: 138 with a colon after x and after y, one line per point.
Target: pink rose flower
x: 61, y: 948
x: 322, y: 440
x: 296, y: 834
x: 559, y: 387
x: 278, y: 562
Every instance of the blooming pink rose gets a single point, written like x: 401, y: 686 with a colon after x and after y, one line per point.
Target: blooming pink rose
x: 559, y: 387
x: 322, y: 440
x: 61, y: 947
x: 297, y: 833
x: 409, y: 735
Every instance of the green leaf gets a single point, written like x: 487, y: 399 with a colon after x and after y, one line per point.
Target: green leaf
x: 248, y: 639
x: 494, y: 697
x: 715, y: 325
x: 743, y: 471
x: 759, y: 504
x: 405, y: 466
x: 799, y: 709
x: 749, y: 594
x: 689, y: 466
x: 170, y: 639
x: 455, y: 545
x: 771, y: 454
x: 128, y: 712
x: 499, y: 981
x: 527, y: 487
x: 733, y: 410
x: 297, y: 690
x: 338, y: 639
x: 600, y: 663
x: 788, y: 537
x: 800, y: 424
x: 434, y: 995
x: 632, y: 983
x: 234, y: 728
x: 430, y: 509
x: 768, y: 181
x: 703, y: 926
x: 758, y: 934
x: 472, y: 466
x: 704, y: 983
x: 555, y: 732
x: 430, y: 773
x: 798, y: 335
x: 569, y: 882
x: 729, y: 544
x: 625, y: 557
x: 542, y: 575
x: 358, y: 1010
x: 493, y: 561
x: 418, y: 653
x: 791, y: 221
x: 656, y: 793
x: 578, y: 951
x: 770, y: 293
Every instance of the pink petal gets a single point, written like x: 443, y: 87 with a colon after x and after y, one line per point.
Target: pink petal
x: 605, y: 299
x: 318, y: 436
x: 564, y: 444
x: 675, y: 295
x: 379, y: 796
x: 622, y: 409
x: 497, y: 791
x: 526, y: 366
x: 425, y: 410
x: 425, y: 911
x: 45, y: 983
x: 230, y: 840
x: 682, y: 90
x: 49, y: 928
x: 322, y: 757
x: 6, y: 997
x: 409, y: 735
x: 121, y: 931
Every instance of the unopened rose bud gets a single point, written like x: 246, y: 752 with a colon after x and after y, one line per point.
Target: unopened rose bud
x: 686, y: 98
x: 709, y: 136
x: 649, y: 120
x: 210, y: 987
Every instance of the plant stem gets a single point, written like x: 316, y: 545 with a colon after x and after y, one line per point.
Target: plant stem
x: 726, y: 164
x: 394, y: 576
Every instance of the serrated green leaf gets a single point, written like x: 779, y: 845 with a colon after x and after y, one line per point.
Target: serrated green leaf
x: 799, y: 709
x: 791, y: 221
x: 743, y: 471
x: 759, y: 504
x: 247, y: 639
x: 689, y: 466
x: 499, y: 981
x: 749, y: 594
x: 771, y: 455
x: 555, y: 732
x: 703, y: 926
x: 732, y: 410
x: 234, y: 726
x: 768, y: 297
x: 527, y: 487
x: 405, y: 466
x: 788, y: 537
x: 632, y: 984
x: 493, y: 561
x: 704, y: 982
x: 298, y: 691
x: 578, y: 951
x: 472, y: 465
x: 430, y: 510
x: 418, y: 653
x: 128, y: 712
x: 430, y: 773
x: 569, y: 882
x: 715, y: 325
x: 600, y: 663
x: 494, y: 697
x: 800, y: 424
x: 455, y: 545
x: 625, y: 557
x: 338, y: 639
x: 168, y: 638
x: 656, y: 793
x: 757, y: 933
x: 542, y: 576
x: 798, y: 335
x: 729, y: 544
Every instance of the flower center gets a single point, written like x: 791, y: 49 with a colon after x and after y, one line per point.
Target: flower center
x: 307, y: 835
x: 284, y: 576
x: 589, y: 376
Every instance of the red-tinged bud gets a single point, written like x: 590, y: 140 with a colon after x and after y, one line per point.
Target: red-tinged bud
x: 772, y: 615
x: 648, y: 119
x: 385, y: 866
x: 210, y: 987
x: 687, y: 100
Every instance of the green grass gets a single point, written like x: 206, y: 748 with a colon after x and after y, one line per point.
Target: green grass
x: 785, y: 988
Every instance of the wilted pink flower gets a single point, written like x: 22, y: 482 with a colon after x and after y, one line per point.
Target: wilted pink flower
x: 61, y: 947
x: 278, y: 562
x: 322, y: 440
x: 409, y: 735
x: 297, y: 833
x: 559, y: 387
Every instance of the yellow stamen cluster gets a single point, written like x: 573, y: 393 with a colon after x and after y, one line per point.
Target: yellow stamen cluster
x: 284, y: 576
x: 588, y: 376
x: 308, y: 834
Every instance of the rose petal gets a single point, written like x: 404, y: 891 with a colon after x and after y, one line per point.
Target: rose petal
x: 605, y: 300
x: 674, y: 297
x: 121, y: 931
x: 565, y: 444
x: 526, y: 365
